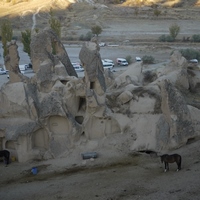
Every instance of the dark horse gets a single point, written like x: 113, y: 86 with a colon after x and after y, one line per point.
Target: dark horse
x: 6, y: 155
x: 171, y: 159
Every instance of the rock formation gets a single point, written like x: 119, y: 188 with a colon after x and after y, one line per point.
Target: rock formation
x: 55, y: 113
x: 12, y: 63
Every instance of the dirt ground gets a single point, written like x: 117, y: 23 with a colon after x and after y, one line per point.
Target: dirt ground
x: 108, y: 177
x: 115, y: 175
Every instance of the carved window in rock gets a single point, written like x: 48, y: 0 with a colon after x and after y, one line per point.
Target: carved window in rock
x: 91, y: 85
x: 82, y: 104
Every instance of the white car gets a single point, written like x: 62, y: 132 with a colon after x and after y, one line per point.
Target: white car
x: 107, y: 65
x: 122, y: 62
x: 102, y: 44
x: 138, y: 59
x: 78, y: 67
x: 108, y: 61
x: 194, y: 61
x: 23, y: 67
x: 2, y: 71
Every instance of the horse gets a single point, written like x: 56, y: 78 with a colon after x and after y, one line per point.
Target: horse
x: 171, y: 159
x: 6, y: 155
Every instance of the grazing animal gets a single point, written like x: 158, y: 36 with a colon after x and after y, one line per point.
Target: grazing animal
x: 171, y: 159
x: 6, y: 155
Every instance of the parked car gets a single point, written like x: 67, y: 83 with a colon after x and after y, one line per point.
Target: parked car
x: 107, y: 65
x: 23, y: 67
x: 138, y: 59
x: 108, y: 61
x: 122, y: 62
x: 102, y: 44
x: 78, y: 67
x: 194, y: 61
x: 2, y: 71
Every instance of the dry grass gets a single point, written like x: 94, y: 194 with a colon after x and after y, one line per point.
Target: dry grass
x: 20, y: 8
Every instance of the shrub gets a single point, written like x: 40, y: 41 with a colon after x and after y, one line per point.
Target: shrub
x: 156, y: 12
x: 174, y: 30
x: 129, y: 59
x: 81, y: 38
x: 196, y: 38
x: 166, y: 38
x: 162, y: 38
x: 190, y: 54
x: 148, y: 59
x: 86, y: 37
x: 169, y: 38
x: 96, y: 30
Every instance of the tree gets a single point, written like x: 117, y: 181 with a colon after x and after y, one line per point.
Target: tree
x: 26, y: 40
x: 6, y: 35
x: 56, y: 27
x: 55, y: 24
x: 174, y: 30
x: 96, y: 30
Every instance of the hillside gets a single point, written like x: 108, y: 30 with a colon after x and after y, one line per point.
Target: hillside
x: 77, y: 17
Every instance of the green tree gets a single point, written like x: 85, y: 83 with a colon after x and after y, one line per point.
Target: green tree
x: 56, y: 27
x: 96, y: 30
x: 26, y: 40
x: 55, y: 24
x: 174, y: 30
x: 6, y: 35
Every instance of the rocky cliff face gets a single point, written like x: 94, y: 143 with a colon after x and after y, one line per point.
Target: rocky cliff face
x: 56, y: 113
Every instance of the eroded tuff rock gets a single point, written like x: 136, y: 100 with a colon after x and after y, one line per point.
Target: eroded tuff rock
x: 12, y: 63
x: 56, y: 113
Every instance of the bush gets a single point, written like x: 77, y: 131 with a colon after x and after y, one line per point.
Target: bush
x: 86, y: 37
x: 129, y: 59
x: 190, y: 54
x: 166, y: 38
x: 156, y: 12
x: 196, y: 38
x: 96, y: 30
x: 162, y: 38
x: 169, y: 38
x: 174, y: 30
x: 148, y: 59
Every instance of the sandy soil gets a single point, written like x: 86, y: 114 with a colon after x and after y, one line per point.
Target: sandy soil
x: 108, y: 177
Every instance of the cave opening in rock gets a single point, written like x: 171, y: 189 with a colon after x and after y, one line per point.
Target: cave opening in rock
x: 79, y: 119
x: 82, y: 103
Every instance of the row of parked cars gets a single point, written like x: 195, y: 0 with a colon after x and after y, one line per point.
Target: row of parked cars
x: 107, y: 64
